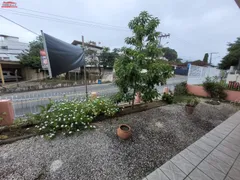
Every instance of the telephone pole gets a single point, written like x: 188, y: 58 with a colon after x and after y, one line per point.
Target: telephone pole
x: 163, y: 36
x: 211, y: 53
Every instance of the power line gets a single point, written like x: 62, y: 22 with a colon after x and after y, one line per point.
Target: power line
x: 72, y: 18
x: 20, y: 25
x: 74, y: 22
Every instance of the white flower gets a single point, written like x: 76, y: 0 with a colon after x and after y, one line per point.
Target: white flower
x: 40, y: 129
x: 77, y: 129
x: 85, y: 127
x: 62, y: 125
x: 65, y: 125
x: 76, y: 122
x: 64, y: 119
x: 41, y: 136
x: 71, y: 124
x: 70, y: 132
x: 73, y: 117
x: 94, y: 127
x: 46, y: 116
x: 52, y: 122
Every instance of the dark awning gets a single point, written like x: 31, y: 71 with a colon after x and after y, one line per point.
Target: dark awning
x: 63, y: 57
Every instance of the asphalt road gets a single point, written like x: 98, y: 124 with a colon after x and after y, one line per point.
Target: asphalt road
x: 28, y: 102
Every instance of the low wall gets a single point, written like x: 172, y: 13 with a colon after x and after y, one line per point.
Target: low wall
x: 199, y: 91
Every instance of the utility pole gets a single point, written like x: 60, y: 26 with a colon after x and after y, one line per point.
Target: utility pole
x: 211, y: 56
x: 85, y: 74
x: 163, y: 36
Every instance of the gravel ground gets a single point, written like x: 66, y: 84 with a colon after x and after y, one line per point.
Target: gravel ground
x: 158, y: 134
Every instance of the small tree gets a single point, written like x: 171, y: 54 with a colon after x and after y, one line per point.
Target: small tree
x: 138, y: 69
x: 31, y: 57
x: 205, y: 59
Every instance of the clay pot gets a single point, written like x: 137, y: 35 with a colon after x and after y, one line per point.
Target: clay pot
x: 124, y: 131
x: 189, y: 109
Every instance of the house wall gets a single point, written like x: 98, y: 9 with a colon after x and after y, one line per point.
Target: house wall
x: 10, y: 47
x: 233, y: 77
x: 31, y: 74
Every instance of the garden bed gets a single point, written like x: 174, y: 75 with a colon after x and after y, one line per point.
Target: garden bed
x: 9, y: 134
x: 158, y: 134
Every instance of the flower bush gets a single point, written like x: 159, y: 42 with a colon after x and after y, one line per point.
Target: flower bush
x: 168, y: 97
x: 71, y: 116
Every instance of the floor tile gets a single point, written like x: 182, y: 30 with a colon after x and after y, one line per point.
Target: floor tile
x: 223, y: 157
x: 172, y: 171
x: 227, y: 151
x: 211, y: 171
x: 237, y: 164
x: 228, y: 178
x: 234, y: 174
x: 218, y: 134
x: 182, y: 164
x: 233, y: 141
x: 209, y: 142
x: 157, y: 175
x: 234, y: 136
x: 198, y: 151
x: 198, y: 175
x: 214, y: 138
x: 230, y: 146
x: 220, y: 165
x: 191, y: 157
x: 204, y: 146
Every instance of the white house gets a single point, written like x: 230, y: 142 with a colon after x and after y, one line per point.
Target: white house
x: 11, y: 47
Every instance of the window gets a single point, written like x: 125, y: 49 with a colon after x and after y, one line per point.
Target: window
x: 4, y: 73
x: 12, y: 74
x: 6, y: 58
x: 4, y: 47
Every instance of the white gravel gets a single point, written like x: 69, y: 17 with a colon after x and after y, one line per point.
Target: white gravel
x: 158, y: 134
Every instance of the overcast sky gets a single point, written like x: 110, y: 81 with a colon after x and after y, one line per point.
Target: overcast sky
x: 196, y: 27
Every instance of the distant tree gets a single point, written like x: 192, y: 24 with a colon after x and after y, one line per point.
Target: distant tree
x: 179, y: 60
x: 31, y: 57
x: 233, y: 56
x: 170, y: 54
x: 205, y: 59
x: 107, y: 58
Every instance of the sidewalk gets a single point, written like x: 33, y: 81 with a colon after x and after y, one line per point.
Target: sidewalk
x: 215, y: 156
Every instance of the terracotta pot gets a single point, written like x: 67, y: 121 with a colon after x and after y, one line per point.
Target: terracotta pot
x: 189, y: 109
x: 124, y: 131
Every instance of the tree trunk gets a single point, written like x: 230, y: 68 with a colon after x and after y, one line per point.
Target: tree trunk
x: 134, y: 92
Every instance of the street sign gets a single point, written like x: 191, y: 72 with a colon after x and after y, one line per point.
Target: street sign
x: 44, y: 60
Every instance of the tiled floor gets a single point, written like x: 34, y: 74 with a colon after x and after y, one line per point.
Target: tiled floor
x: 215, y: 156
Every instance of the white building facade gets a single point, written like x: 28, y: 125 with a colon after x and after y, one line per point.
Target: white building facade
x: 11, y: 47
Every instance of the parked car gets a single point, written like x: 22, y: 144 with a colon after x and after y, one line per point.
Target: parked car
x: 10, y: 76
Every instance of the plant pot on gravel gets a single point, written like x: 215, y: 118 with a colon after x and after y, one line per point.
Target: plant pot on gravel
x: 191, y: 104
x: 124, y: 131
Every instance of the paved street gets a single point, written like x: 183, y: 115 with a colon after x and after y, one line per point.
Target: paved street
x: 28, y: 102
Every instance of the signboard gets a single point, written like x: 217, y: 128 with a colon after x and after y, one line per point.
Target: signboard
x: 44, y: 60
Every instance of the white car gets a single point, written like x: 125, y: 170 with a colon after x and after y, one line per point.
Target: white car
x: 10, y: 76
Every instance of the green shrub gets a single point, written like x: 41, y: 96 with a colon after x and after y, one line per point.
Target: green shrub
x: 181, y: 89
x: 168, y: 98
x: 71, y: 116
x: 214, y: 88
x: 192, y: 102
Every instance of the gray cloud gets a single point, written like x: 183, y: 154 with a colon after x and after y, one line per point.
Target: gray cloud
x: 196, y: 27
